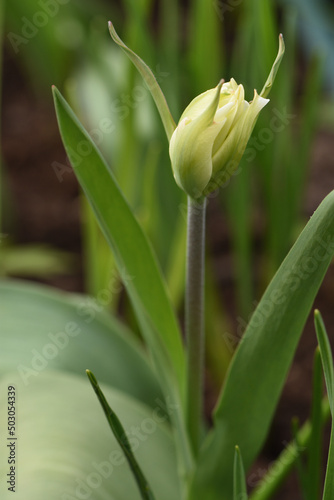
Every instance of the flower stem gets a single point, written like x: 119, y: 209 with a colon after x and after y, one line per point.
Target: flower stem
x: 194, y: 318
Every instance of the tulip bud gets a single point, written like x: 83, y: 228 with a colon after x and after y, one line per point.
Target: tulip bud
x: 207, y: 145
x: 210, y: 139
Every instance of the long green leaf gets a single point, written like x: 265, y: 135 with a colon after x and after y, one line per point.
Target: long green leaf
x: 136, y: 263
x: 122, y: 439
x: 64, y: 447
x: 328, y: 367
x: 133, y: 254
x: 239, y: 479
x: 326, y: 356
x: 151, y: 82
x: 262, y: 360
x: 314, y: 451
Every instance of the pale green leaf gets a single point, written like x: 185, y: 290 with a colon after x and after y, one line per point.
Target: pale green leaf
x: 270, y: 80
x: 42, y: 329
x: 64, y: 447
x: 151, y: 82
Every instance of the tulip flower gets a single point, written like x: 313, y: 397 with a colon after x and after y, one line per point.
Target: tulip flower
x: 208, y: 143
x: 205, y: 149
x: 211, y: 137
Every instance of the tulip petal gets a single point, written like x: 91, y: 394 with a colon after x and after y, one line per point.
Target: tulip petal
x: 190, y: 148
x: 270, y: 80
x: 150, y: 80
x: 227, y: 158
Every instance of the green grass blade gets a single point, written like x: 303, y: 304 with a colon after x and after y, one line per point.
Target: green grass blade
x: 262, y: 360
x: 328, y: 493
x: 280, y: 469
x: 300, y: 465
x: 314, y: 450
x: 151, y: 82
x: 327, y: 364
x: 133, y: 254
x: 326, y: 356
x: 239, y: 479
x: 121, y: 437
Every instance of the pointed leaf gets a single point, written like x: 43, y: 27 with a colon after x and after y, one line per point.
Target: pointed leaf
x: 327, y: 364
x: 65, y: 450
x: 261, y: 363
x: 239, y: 478
x: 133, y: 254
x: 122, y: 439
x: 270, y: 80
x: 149, y: 78
x: 314, y: 450
x: 326, y: 357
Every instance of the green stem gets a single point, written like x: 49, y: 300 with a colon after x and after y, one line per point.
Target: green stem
x: 194, y: 318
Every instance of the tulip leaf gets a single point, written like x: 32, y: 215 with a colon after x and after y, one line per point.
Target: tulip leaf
x: 65, y: 449
x: 270, y: 80
x: 327, y: 364
x: 43, y: 329
x: 122, y: 439
x: 136, y: 262
x: 150, y: 80
x: 239, y: 479
x: 326, y: 357
x: 261, y: 362
x: 135, y: 259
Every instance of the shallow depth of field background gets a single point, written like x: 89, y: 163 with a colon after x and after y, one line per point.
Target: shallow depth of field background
x: 47, y: 231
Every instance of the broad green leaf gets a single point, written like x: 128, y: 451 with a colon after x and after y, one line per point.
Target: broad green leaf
x: 262, y: 360
x: 327, y: 364
x: 239, y: 479
x: 65, y: 450
x: 150, y: 80
x: 133, y: 254
x: 122, y: 439
x: 43, y: 329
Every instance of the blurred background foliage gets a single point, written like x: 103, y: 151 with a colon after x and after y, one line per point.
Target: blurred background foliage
x: 190, y: 46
